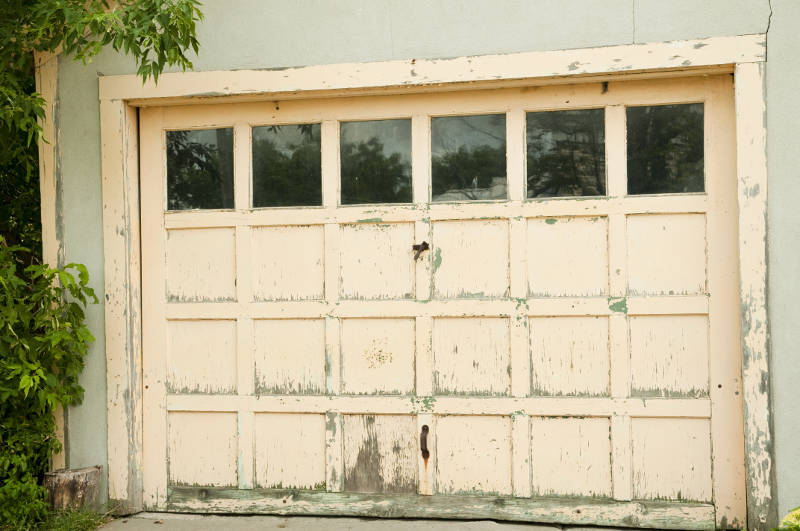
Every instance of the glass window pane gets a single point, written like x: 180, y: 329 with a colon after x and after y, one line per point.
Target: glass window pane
x: 665, y: 149
x: 566, y: 153
x: 200, y: 169
x: 468, y: 157
x: 287, y: 165
x: 376, y: 161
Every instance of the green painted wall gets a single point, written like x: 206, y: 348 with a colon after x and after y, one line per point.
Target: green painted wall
x: 277, y: 33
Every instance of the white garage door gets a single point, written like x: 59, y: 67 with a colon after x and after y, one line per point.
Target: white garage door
x: 514, y: 303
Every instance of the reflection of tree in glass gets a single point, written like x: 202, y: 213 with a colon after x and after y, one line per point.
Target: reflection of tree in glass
x: 665, y: 149
x: 566, y: 153
x: 469, y: 173
x: 199, y: 174
x: 289, y: 176
x: 369, y: 176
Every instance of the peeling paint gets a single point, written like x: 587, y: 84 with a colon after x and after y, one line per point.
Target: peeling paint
x: 618, y: 304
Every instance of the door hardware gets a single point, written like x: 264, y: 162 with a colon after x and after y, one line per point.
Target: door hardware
x: 419, y: 248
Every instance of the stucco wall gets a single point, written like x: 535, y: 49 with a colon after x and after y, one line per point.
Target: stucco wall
x: 277, y: 33
x: 783, y: 115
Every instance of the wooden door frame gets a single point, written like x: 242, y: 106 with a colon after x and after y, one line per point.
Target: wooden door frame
x: 744, y: 56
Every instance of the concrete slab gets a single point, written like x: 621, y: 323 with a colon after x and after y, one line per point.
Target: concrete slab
x: 194, y: 522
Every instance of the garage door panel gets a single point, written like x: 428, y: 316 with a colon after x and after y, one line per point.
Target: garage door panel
x: 290, y: 451
x: 473, y: 454
x: 545, y: 348
x: 376, y: 261
x: 289, y: 356
x: 686, y: 474
x: 571, y: 456
x: 471, y: 356
x: 569, y: 356
x: 666, y: 254
x: 288, y: 262
x: 378, y: 356
x: 669, y: 355
x: 203, y: 448
x: 380, y: 453
x: 201, y: 356
x: 470, y: 258
x: 567, y: 256
x: 201, y: 265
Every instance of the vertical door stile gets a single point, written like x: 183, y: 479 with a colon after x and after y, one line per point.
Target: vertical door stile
x: 334, y: 460
x: 725, y: 383
x: 154, y: 412
x: 245, y: 365
x: 518, y: 269
x: 617, y: 284
x: 518, y: 289
x: 421, y: 188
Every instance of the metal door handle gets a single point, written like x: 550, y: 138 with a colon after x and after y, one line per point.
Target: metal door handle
x: 423, y: 442
x: 419, y: 248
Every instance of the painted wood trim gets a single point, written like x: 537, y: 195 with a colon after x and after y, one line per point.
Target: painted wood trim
x: 679, y: 55
x: 586, y: 511
x: 724, y: 370
x: 751, y: 158
x: 122, y: 275
x: 461, y: 211
x: 444, y: 405
x: 46, y: 72
x: 532, y: 307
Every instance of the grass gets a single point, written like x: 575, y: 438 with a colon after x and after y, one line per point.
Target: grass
x: 68, y: 521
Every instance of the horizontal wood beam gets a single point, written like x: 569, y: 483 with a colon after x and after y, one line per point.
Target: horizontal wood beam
x: 572, y: 511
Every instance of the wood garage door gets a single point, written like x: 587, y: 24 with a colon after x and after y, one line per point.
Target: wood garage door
x: 516, y: 303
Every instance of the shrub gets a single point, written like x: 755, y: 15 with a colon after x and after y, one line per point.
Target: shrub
x: 43, y: 342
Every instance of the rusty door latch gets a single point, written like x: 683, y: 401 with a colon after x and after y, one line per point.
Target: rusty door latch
x: 419, y: 248
x: 423, y: 442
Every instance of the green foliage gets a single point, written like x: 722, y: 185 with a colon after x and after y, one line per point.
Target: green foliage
x: 156, y: 33
x: 791, y: 522
x: 43, y: 338
x: 43, y: 342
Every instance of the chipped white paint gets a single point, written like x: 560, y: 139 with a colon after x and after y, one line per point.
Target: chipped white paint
x: 751, y: 137
x: 357, y: 337
x: 289, y: 356
x: 471, y: 356
x: 680, y: 55
x: 671, y: 459
x: 203, y: 448
x: 380, y: 453
x: 201, y: 264
x: 287, y: 262
x: 470, y: 258
x: 669, y: 355
x: 667, y: 254
x: 577, y: 269
x: 46, y: 73
x: 290, y: 451
x: 569, y: 355
x: 473, y: 455
x: 378, y: 356
x: 201, y: 356
x: 374, y: 261
x: 571, y: 456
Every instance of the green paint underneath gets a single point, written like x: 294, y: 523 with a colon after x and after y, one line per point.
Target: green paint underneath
x: 551, y: 221
x: 437, y: 259
x: 618, y: 304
